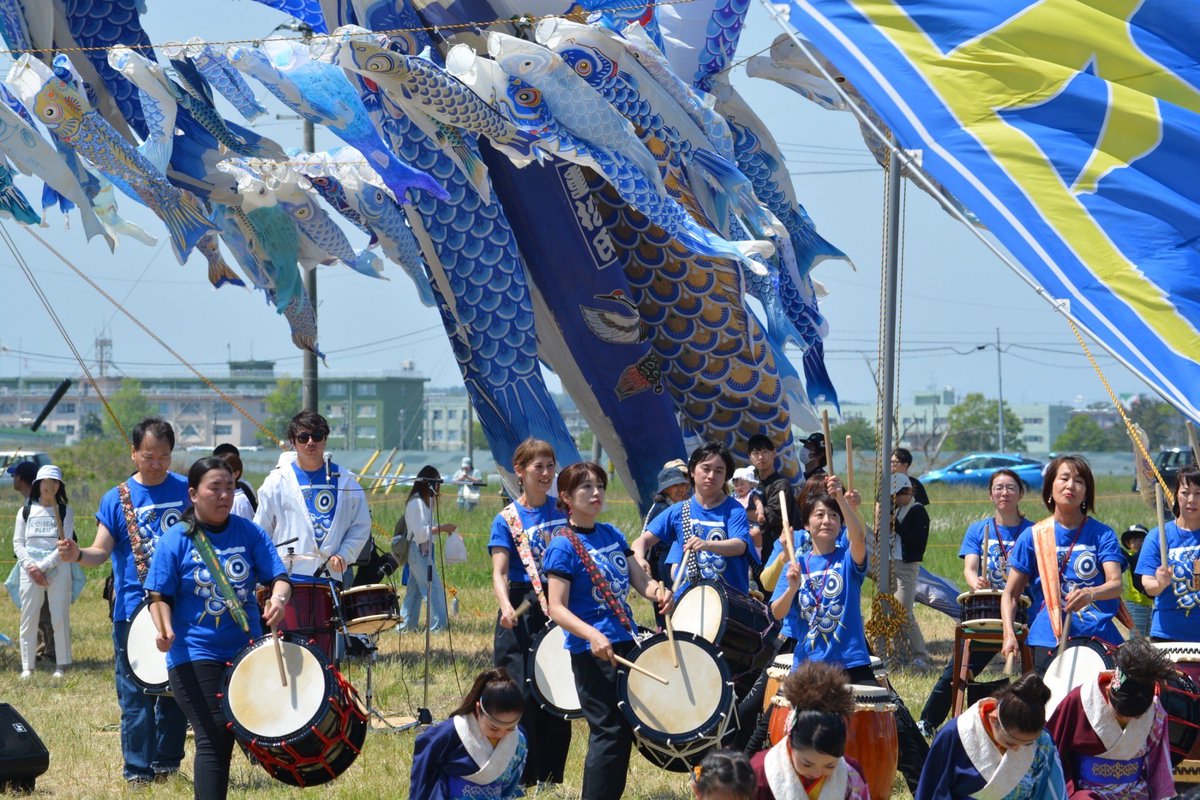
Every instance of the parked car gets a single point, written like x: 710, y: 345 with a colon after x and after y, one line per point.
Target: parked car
x: 977, y: 468
x: 1169, y: 460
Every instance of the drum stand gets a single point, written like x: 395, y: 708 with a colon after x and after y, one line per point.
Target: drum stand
x: 964, y: 637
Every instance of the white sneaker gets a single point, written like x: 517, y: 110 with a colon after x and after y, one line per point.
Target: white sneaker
x: 26, y: 674
x: 60, y: 672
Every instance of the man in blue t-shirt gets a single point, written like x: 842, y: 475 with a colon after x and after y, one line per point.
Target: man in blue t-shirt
x: 131, y: 518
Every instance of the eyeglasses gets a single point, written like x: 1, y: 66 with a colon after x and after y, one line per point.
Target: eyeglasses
x: 303, y: 438
x: 1005, y: 488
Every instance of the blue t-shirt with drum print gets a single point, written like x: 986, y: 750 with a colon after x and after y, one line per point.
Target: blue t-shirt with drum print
x: 827, y: 606
x: 725, y: 521
x: 156, y: 508
x: 1173, y: 608
x: 320, y: 492
x: 1095, y: 546
x: 610, y: 552
x: 205, y: 630
x: 539, y: 525
x: 1001, y: 540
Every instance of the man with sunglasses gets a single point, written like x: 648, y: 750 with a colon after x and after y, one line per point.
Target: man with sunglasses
x: 309, y: 499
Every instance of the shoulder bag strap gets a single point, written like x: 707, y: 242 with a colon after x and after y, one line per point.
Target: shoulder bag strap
x: 532, y: 569
x: 220, y: 581
x: 598, y: 580
x: 690, y: 562
x: 141, y: 553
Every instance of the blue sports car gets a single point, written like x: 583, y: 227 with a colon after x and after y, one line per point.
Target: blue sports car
x: 977, y: 468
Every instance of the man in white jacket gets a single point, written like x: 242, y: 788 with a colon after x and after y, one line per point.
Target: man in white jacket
x: 310, y: 500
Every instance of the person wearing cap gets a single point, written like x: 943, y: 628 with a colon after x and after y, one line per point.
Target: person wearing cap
x: 1140, y: 604
x: 422, y: 578
x: 468, y: 495
x: 814, y: 454
x: 1175, y: 586
x: 1111, y: 731
x: 44, y: 520
x: 902, y: 460
x: 314, y: 502
x: 673, y: 487
x: 775, y: 488
x: 23, y: 474
x: 912, y: 529
x: 745, y: 492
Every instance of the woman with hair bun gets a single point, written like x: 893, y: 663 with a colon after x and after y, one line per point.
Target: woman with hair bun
x: 1112, y: 730
x: 997, y: 748
x: 810, y: 761
x: 723, y: 775
x: 479, y: 751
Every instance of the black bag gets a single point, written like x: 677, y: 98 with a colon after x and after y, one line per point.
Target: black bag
x: 109, y: 594
x: 23, y: 757
x: 400, y: 543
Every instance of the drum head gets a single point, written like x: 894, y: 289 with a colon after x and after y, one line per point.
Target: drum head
x: 146, y: 663
x: 373, y: 624
x: 259, y: 704
x: 552, y: 676
x: 1081, y: 660
x: 697, y: 695
x: 702, y: 609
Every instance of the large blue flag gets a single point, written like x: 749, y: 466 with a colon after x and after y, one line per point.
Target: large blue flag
x: 1071, y: 128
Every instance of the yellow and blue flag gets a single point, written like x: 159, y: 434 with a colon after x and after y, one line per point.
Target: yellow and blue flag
x: 1071, y: 128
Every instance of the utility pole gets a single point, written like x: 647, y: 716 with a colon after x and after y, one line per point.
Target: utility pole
x: 1000, y: 392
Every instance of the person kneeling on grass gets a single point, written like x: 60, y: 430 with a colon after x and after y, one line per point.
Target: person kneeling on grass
x: 479, y: 752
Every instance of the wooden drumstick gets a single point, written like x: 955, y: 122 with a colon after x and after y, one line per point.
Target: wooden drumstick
x: 1066, y: 634
x: 58, y: 520
x: 1191, y: 432
x: 671, y: 640
x: 1162, y: 527
x: 1008, y: 663
x: 625, y: 662
x: 789, y: 539
x: 521, y: 609
x: 279, y: 654
x: 828, y: 441
x: 849, y: 463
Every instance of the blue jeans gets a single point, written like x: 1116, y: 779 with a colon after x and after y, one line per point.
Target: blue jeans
x: 419, y: 586
x: 152, y: 727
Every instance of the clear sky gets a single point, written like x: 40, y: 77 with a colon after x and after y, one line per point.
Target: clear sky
x: 956, y: 293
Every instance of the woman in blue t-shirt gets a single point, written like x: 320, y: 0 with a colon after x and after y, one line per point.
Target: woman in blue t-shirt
x: 824, y: 585
x: 189, y: 607
x: 1083, y: 552
x: 1175, y: 586
x: 590, y: 575
x: 534, y: 517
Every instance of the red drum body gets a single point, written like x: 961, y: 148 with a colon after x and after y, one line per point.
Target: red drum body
x: 550, y: 675
x: 146, y: 664
x: 871, y: 739
x: 980, y: 610
x: 741, y: 627
x: 370, y: 610
x: 309, y: 615
x: 303, y: 734
x: 675, y: 725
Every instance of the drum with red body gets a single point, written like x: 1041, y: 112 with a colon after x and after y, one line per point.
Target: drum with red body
x: 309, y: 614
x: 304, y: 733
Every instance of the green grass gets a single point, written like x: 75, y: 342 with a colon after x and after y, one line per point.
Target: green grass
x: 77, y: 717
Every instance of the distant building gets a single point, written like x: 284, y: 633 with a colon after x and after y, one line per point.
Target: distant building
x: 924, y: 420
x: 364, y: 412
x: 447, y: 420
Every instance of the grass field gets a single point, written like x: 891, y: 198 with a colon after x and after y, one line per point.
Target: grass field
x: 77, y: 717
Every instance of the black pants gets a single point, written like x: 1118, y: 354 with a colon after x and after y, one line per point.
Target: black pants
x: 941, y: 697
x: 547, y: 735
x: 753, y: 724
x: 611, y: 739
x: 196, y: 686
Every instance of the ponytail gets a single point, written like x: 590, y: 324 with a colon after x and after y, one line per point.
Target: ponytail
x: 496, y: 691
